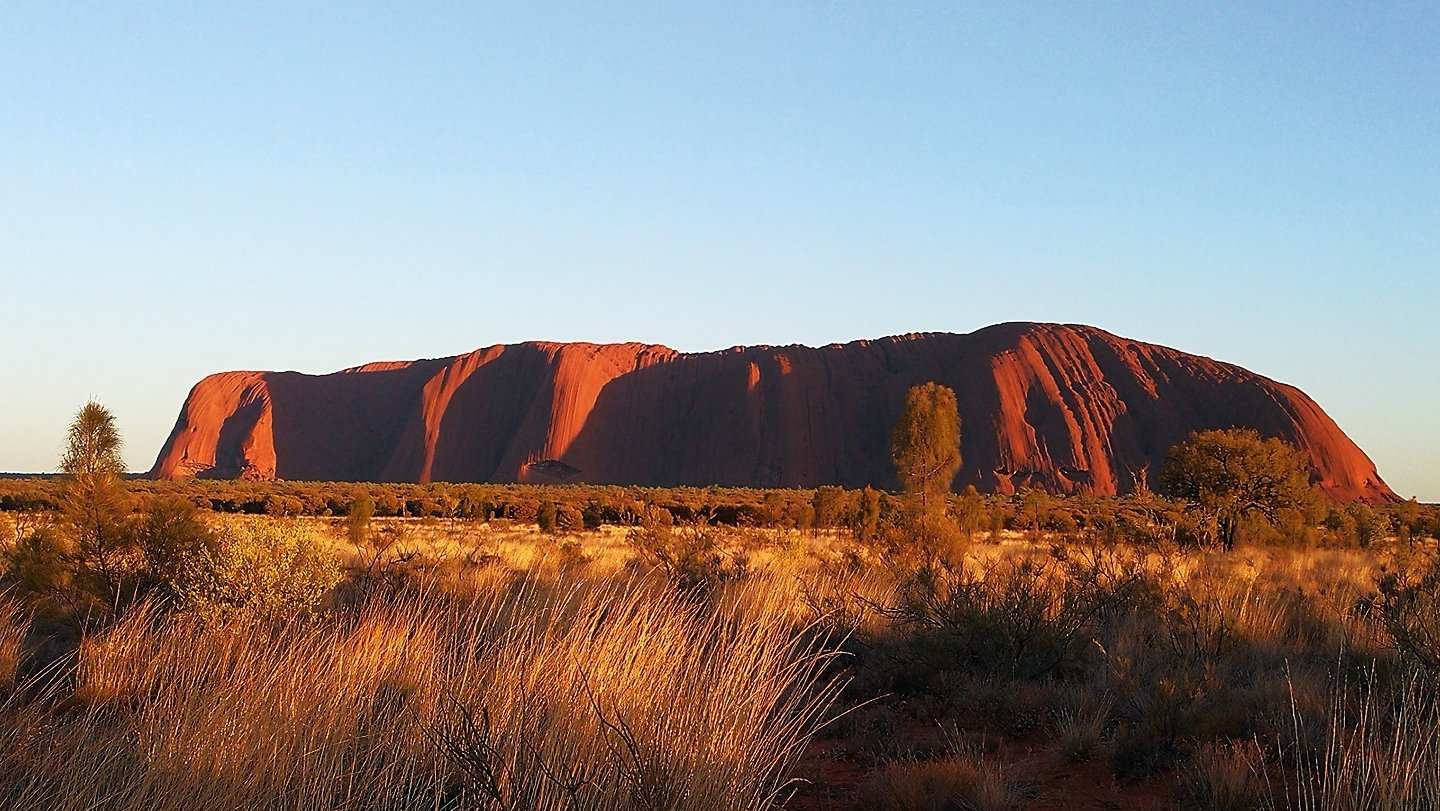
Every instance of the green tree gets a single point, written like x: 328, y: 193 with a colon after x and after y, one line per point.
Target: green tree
x: 1228, y: 475
x: 474, y: 504
x: 925, y: 443
x: 997, y: 525
x: 93, y: 444
x: 1407, y: 518
x: 831, y: 506
x: 1035, y: 507
x: 1368, y: 526
x: 869, y: 522
x: 95, y: 503
x: 546, y: 518
x: 357, y: 519
x: 970, y: 512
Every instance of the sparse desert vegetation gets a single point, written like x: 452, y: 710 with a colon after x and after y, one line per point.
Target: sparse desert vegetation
x: 456, y: 663
x: 634, y: 648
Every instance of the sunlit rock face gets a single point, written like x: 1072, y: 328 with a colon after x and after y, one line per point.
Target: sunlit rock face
x: 1064, y: 407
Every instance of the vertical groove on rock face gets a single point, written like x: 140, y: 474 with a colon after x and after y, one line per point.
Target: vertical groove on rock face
x: 1068, y: 408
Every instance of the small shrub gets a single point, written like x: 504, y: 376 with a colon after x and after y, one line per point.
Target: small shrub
x: 37, y: 563
x: 384, y: 560
x: 693, y: 557
x: 1024, y: 618
x: 547, y: 517
x: 1410, y: 610
x: 1145, y: 747
x: 357, y: 519
x: 1014, y: 709
x: 593, y: 516
x: 568, y: 519
x: 265, y: 570
x: 168, y: 533
x: 572, y: 555
x: 879, y: 734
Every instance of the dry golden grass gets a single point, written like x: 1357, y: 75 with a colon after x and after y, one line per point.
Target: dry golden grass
x: 14, y: 623
x: 471, y: 665
x: 535, y: 695
x: 956, y: 781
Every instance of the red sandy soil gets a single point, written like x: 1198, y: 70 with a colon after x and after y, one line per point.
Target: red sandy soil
x: 1069, y: 408
x: 1054, y: 785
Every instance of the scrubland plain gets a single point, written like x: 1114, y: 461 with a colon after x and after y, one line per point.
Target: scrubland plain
x: 444, y: 663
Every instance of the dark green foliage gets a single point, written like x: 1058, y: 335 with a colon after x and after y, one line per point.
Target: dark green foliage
x: 546, y: 517
x: 832, y: 507
x: 357, y: 519
x: 95, y: 504
x: 593, y: 516
x: 37, y: 562
x: 868, y: 523
x: 1021, y: 618
x: 568, y: 518
x: 168, y: 533
x: 925, y: 442
x: 970, y: 512
x: 1233, y: 474
x: 696, y: 557
x: 1140, y: 518
x: 1409, y: 602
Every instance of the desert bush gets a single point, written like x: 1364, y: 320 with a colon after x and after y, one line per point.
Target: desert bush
x: 547, y: 517
x: 37, y: 565
x: 262, y: 569
x: 143, y: 552
x: 1021, y: 617
x: 970, y: 512
x: 592, y: 516
x: 168, y: 533
x: 1230, y: 475
x: 1409, y: 602
x: 867, y: 518
x: 1119, y: 648
x: 998, y: 705
x: 832, y: 507
x: 474, y: 504
x: 695, y: 557
x: 358, y: 518
x: 568, y: 518
x: 101, y: 553
x: 571, y: 555
x: 382, y: 560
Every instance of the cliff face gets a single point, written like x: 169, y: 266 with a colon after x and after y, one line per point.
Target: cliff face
x: 1069, y: 408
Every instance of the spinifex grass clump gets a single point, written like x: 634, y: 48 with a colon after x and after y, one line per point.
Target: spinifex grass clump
x: 529, y: 697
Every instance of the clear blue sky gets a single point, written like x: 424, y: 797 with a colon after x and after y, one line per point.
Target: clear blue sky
x: 184, y: 191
